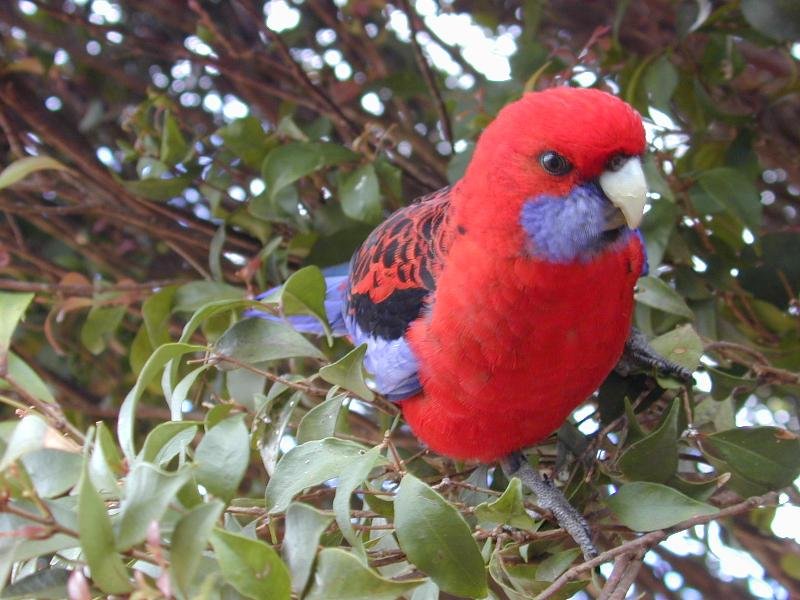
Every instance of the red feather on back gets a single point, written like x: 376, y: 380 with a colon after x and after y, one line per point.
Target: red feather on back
x: 406, y: 251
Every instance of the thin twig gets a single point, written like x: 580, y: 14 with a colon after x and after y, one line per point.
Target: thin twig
x: 620, y: 567
x: 302, y: 77
x: 51, y: 411
x: 84, y: 290
x: 296, y: 385
x: 649, y: 540
x: 628, y: 577
x: 427, y: 74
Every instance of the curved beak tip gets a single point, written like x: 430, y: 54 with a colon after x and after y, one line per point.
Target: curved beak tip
x: 626, y: 188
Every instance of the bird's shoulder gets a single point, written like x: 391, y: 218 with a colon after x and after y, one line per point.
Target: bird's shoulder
x: 395, y: 269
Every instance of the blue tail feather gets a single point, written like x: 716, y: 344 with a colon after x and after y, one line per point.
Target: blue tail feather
x: 334, y: 305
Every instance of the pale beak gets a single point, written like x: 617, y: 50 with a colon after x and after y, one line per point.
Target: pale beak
x: 627, y: 189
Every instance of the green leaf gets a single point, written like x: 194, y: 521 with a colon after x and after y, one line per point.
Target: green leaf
x: 155, y: 313
x: 148, y: 492
x: 270, y: 445
x: 215, y: 253
x: 100, y: 325
x: 683, y: 346
x: 153, y: 366
x: 426, y: 591
x: 655, y: 457
x: 188, y: 542
x: 254, y: 569
x: 758, y: 458
x: 307, y: 465
x: 257, y: 340
x: 391, y: 180
x: 288, y: 163
x: 341, y: 576
x: 437, y: 539
x: 158, y: 189
x: 288, y: 127
x: 304, y: 526
x: 139, y: 350
x: 734, y: 191
x: 221, y: 457
x: 360, y: 195
x: 23, y: 167
x: 217, y: 414
x: 656, y: 182
x: 657, y: 227
x: 52, y: 472
x: 43, y: 584
x: 180, y: 393
x: 720, y: 413
x: 304, y: 294
x: 97, y: 539
x: 320, y: 421
x: 660, y: 81
x: 12, y: 307
x: 656, y: 293
x: 173, y: 145
x: 645, y: 506
x: 691, y: 16
x: 207, y: 311
x: 148, y: 167
x: 699, y: 490
x: 508, y: 509
x: 23, y: 549
x: 790, y: 563
x: 773, y: 317
x: 778, y: 19
x: 351, y: 477
x: 635, y: 431
x: 196, y: 294
x: 348, y: 372
x: 247, y: 140
x: 28, y: 436
x: 166, y: 440
x: 243, y: 386
x: 554, y: 565
x: 105, y: 463
x: 27, y: 378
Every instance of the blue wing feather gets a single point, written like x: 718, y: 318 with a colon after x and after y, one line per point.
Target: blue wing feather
x: 390, y: 362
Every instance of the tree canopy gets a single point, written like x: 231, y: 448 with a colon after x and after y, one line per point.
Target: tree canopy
x: 165, y: 161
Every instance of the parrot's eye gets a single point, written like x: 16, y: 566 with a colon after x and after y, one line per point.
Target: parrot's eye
x: 554, y: 163
x: 617, y: 162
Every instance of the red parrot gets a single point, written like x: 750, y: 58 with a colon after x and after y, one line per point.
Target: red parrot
x: 512, y: 290
x: 492, y: 308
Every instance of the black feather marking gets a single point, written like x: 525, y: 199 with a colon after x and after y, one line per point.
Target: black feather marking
x: 398, y: 264
x: 389, y: 254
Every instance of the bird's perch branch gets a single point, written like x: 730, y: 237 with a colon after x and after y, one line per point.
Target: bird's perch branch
x: 643, y: 543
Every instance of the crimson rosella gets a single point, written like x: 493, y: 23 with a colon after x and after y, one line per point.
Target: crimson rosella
x: 494, y: 307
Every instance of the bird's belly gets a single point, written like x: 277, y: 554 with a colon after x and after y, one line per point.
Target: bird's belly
x: 505, y: 373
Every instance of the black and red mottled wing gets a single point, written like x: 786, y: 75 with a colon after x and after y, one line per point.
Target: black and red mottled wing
x: 395, y: 269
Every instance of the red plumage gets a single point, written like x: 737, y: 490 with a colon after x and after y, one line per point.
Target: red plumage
x: 406, y: 251
x: 508, y: 344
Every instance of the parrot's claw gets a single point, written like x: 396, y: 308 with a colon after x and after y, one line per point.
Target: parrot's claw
x: 551, y: 498
x: 640, y: 355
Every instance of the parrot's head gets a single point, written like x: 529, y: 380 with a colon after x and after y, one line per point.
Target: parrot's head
x: 563, y: 169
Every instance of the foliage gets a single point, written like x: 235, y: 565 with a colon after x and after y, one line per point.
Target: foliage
x: 164, y: 162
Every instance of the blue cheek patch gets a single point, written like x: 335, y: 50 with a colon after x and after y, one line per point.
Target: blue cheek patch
x: 569, y: 228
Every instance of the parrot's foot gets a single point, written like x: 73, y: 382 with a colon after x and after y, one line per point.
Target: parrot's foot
x: 640, y: 355
x: 551, y: 498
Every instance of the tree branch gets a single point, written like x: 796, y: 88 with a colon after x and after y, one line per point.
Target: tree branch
x: 427, y: 73
x: 649, y: 540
